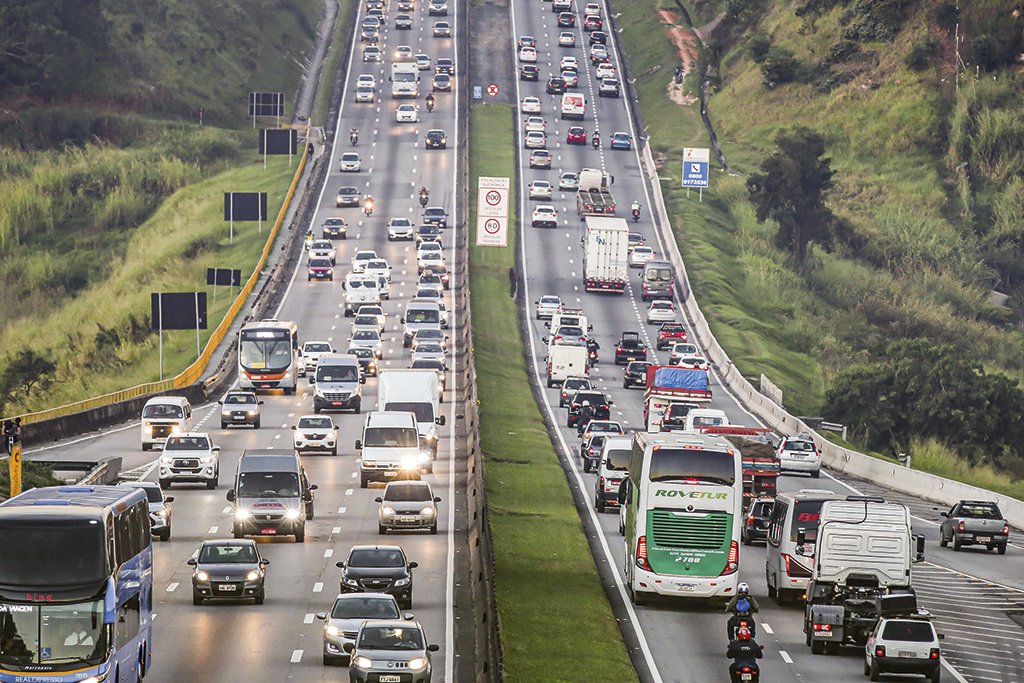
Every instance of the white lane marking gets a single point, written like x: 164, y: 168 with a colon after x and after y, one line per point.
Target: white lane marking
x: 785, y: 657
x: 329, y: 552
x: 308, y: 619
x: 213, y: 530
x: 226, y: 510
x: 348, y: 492
x: 354, y: 475
x: 172, y: 587
x: 318, y: 587
x: 336, y: 530
x: 767, y: 629
x: 342, y: 510
x: 296, y: 656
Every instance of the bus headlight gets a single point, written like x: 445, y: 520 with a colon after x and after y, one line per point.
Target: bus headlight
x: 242, y: 513
x: 292, y: 514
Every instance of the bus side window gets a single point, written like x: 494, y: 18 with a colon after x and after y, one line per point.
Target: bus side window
x: 127, y: 626
x: 778, y: 521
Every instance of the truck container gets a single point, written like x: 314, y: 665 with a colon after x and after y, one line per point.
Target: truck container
x: 566, y: 361
x: 605, y: 253
x: 760, y: 460
x: 594, y: 197
x: 668, y: 384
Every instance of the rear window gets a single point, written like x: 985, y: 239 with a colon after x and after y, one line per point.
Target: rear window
x: 617, y: 460
x: 910, y: 631
x: 976, y: 511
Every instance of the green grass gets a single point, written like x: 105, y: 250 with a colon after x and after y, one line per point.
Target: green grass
x: 154, y: 259
x: 336, y: 52
x: 919, y: 270
x: 33, y: 475
x: 549, y: 594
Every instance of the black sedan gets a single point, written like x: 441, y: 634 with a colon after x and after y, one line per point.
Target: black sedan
x: 435, y: 215
x: 367, y: 360
x: 555, y: 85
x: 378, y: 569
x: 228, y: 569
x: 334, y: 229
x: 635, y: 374
x: 630, y: 347
x: 436, y: 139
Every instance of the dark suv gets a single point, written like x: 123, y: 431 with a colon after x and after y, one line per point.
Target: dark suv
x: 378, y: 569
x: 635, y: 374
x: 529, y: 72
x: 600, y: 402
x: 556, y: 85
x: 436, y: 215
x: 630, y: 347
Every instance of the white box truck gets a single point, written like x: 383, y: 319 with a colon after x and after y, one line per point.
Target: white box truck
x: 405, y: 80
x: 418, y: 392
x: 566, y: 361
x: 605, y: 250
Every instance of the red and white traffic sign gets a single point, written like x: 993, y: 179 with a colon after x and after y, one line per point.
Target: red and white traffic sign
x: 492, y: 211
x: 491, y: 231
x: 492, y: 89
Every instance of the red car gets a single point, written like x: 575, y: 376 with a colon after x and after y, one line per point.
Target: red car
x: 669, y: 334
x: 577, y: 135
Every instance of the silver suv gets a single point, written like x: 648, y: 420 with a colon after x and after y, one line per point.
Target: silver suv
x: 190, y: 457
x: 240, y: 408
x: 407, y: 505
x: 384, y: 647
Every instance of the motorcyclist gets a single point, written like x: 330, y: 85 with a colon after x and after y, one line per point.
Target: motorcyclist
x: 596, y: 140
x: 587, y: 413
x: 742, y: 607
x: 368, y: 205
x: 744, y: 651
x: 635, y: 209
x: 592, y: 349
x: 430, y: 102
x: 309, y: 238
x: 424, y: 195
x: 353, y: 136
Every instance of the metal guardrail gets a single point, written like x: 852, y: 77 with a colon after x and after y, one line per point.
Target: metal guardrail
x: 194, y: 372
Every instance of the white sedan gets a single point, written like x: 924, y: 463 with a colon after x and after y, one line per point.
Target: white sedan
x: 661, y: 312
x: 547, y: 306
x: 545, y: 216
x: 535, y: 139
x: 639, y: 256
x: 540, y: 189
x: 530, y: 105
x: 568, y: 62
x: 566, y: 39
x: 367, y: 80
x: 323, y: 249
x: 528, y: 54
x: 423, y: 62
x: 361, y: 258
x: 427, y: 259
x: 407, y: 113
x: 350, y: 163
x: 685, y: 353
x: 534, y: 123
x: 379, y: 267
x: 605, y: 70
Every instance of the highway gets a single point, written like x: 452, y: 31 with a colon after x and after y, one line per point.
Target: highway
x: 281, y: 640
x: 676, y: 642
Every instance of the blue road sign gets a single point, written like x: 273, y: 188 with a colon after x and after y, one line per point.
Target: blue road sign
x: 695, y: 174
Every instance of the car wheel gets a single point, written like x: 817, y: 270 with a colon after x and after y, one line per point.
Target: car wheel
x: 818, y: 648
x: 867, y: 667
x: 957, y: 544
x: 433, y: 528
x: 943, y: 541
x: 300, y: 535
x: 935, y: 675
x: 146, y: 446
x: 599, y: 503
x: 363, y: 481
x: 1002, y: 551
x: 381, y: 529
x: 165, y: 484
x: 358, y: 408
x: 237, y: 534
x: 223, y: 425
x: 261, y: 596
x: 256, y: 424
x: 212, y: 483
x: 873, y: 672
x: 745, y: 538
x: 165, y: 535
x: 816, y: 474
x: 197, y: 599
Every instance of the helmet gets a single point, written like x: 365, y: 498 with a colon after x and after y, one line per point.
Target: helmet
x: 743, y: 634
x: 742, y: 589
x: 586, y: 403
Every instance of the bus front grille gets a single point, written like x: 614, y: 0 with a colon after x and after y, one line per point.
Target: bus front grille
x: 671, y: 529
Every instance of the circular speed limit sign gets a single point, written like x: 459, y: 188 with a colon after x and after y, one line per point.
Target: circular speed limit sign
x: 491, y: 226
x: 493, y: 197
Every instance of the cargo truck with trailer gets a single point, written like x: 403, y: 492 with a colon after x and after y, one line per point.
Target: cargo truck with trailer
x: 605, y: 254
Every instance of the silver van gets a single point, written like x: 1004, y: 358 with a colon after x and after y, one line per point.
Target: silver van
x: 420, y: 315
x: 163, y: 416
x: 271, y: 495
x: 657, y: 281
x: 339, y: 383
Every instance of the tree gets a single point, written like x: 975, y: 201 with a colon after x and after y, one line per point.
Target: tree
x: 26, y: 370
x: 791, y: 190
x: 779, y: 66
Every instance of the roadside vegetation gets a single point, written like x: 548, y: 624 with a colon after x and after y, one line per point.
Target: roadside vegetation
x: 924, y: 207
x: 109, y: 185
x: 33, y: 475
x: 549, y: 593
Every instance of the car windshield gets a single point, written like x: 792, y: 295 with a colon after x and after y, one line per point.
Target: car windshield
x: 366, y: 335
x: 376, y: 557
x: 315, y: 423
x: 238, y: 399
x: 162, y: 411
x: 187, y: 443
x: 390, y: 638
x: 420, y: 316
x: 361, y: 352
x: 577, y: 384
x: 270, y: 484
x: 390, y: 437
x: 361, y: 607
x: 319, y: 263
x: 976, y: 511
x: 337, y: 373
x: 909, y: 631
x: 408, y: 492
x: 227, y: 554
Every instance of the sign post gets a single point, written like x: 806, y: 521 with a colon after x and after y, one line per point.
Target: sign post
x: 696, y: 167
x: 492, y: 212
x: 14, y: 462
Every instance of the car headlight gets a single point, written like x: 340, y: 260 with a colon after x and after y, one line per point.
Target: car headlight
x: 410, y: 462
x: 351, y: 582
x: 252, y: 413
x: 402, y: 582
x: 175, y: 429
x: 226, y: 413
x: 332, y: 631
x: 417, y: 664
x: 202, y: 576
x: 161, y: 513
x: 242, y: 513
x: 363, y: 662
x: 148, y: 429
x: 387, y: 510
x: 428, y: 511
x: 252, y: 576
x: 292, y: 514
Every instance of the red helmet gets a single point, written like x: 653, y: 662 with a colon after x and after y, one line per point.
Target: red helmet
x: 743, y: 634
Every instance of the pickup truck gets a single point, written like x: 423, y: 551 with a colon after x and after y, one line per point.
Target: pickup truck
x: 975, y: 522
x: 630, y: 347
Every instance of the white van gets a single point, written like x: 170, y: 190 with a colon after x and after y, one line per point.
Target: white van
x: 574, y: 106
x: 163, y: 416
x: 787, y: 572
x: 339, y: 383
x: 390, y: 448
x: 705, y: 417
x: 415, y: 391
x: 360, y: 290
x: 565, y: 362
x: 569, y: 316
x: 419, y: 315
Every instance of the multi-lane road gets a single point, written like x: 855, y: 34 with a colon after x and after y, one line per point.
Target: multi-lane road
x: 970, y: 592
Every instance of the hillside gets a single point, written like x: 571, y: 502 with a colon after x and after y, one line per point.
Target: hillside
x: 99, y: 126
x: 927, y: 196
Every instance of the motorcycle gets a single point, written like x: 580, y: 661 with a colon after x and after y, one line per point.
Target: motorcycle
x: 368, y: 207
x: 636, y: 215
x: 744, y: 673
x: 430, y: 103
x: 592, y: 356
x: 741, y: 620
x: 353, y: 138
x: 596, y: 142
x: 309, y: 241
x: 424, y: 197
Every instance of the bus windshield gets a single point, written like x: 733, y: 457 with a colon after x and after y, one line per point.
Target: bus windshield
x: 52, y: 635
x: 265, y: 354
x: 79, y: 544
x: 678, y: 464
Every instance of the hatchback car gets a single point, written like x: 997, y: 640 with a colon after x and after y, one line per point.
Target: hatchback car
x: 756, y: 520
x: 568, y: 62
x: 800, y: 454
x: 343, y: 621
x: 400, y: 228
x: 670, y: 334
x: 604, y: 71
x: 348, y: 196
x: 903, y: 646
x: 430, y: 280
x: 319, y: 269
x: 322, y: 248
x: 569, y: 181
x: 228, y: 569
x: 428, y: 233
x: 378, y: 568
x: 598, y: 38
x: 566, y: 19
x: 593, y: 23
x: 315, y: 434
x: 159, y: 507
x: 576, y: 135
x: 682, y: 350
x: 430, y: 334
x: 407, y: 505
x: 530, y: 105
x: 240, y: 407
x: 529, y: 72
x: 371, y: 53
x: 640, y: 255
x: 528, y: 54
x: 540, y: 189
x: 365, y: 94
x: 609, y: 87
x: 534, y: 123
x: 544, y: 216
x: 598, y: 54
x: 621, y: 140
x: 350, y: 163
x: 365, y: 321
x: 547, y: 306
x: 361, y: 258
x: 526, y: 41
x: 436, y: 139
x: 384, y: 647
x: 442, y: 29
x: 334, y: 229
x: 441, y: 83
x: 404, y: 53
x: 540, y: 158
x: 635, y: 374
x: 566, y: 39
x: 407, y: 113
x: 555, y: 85
x: 661, y: 311
x: 571, y: 78
x: 310, y: 353
x: 429, y: 350
x: 603, y: 427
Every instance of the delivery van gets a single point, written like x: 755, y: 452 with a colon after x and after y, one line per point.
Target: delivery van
x: 574, y: 106
x: 163, y: 416
x: 415, y: 391
x: 271, y: 495
x: 390, y: 448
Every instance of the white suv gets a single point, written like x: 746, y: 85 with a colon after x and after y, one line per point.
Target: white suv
x: 903, y: 645
x: 315, y: 433
x: 190, y: 457
x: 800, y: 454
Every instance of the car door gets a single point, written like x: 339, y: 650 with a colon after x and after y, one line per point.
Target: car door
x: 946, y: 529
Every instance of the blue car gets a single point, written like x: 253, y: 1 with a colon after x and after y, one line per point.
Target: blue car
x: 621, y: 141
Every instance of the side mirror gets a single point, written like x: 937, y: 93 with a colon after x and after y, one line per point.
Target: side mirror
x: 547, y: 325
x: 409, y: 616
x: 230, y: 495
x: 433, y: 647
x: 322, y: 616
x: 313, y: 487
x: 294, y: 427
x: 359, y: 444
x: 402, y: 320
x: 413, y: 565
x: 191, y: 562
x: 440, y: 420
x: 437, y: 499
x: 611, y: 402
x: 378, y: 499
x: 220, y: 403
x: 335, y: 428
x: 536, y: 303
x: 941, y: 636
x: 943, y: 514
x: 259, y: 402
x: 264, y: 561
x: 169, y: 499
x: 544, y: 340
x: 339, y: 565
x: 362, y: 379
x: 349, y: 647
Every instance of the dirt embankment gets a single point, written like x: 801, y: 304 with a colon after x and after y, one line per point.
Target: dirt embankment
x: 686, y: 47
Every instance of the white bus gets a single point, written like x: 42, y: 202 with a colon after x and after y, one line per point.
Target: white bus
x: 268, y: 355
x: 786, y: 572
x: 684, y: 508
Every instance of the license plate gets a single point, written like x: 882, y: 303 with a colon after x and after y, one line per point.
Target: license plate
x: 390, y: 473
x: 746, y: 677
x: 239, y: 417
x: 910, y: 655
x: 268, y: 531
x: 389, y: 678
x: 409, y: 520
x: 983, y: 539
x: 227, y: 587
x: 685, y: 587
x: 335, y: 403
x: 823, y: 634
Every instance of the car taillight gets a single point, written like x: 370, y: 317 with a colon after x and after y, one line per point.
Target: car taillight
x: 750, y: 521
x: 1006, y: 530
x: 732, y: 562
x: 933, y: 653
x: 794, y: 568
x: 641, y: 554
x: 879, y: 650
x: 962, y: 527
